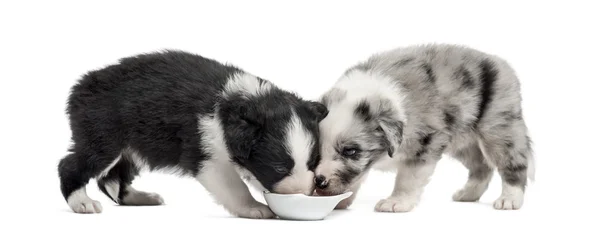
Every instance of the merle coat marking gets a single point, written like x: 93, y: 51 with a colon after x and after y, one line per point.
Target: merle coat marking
x: 191, y: 116
x: 402, y: 109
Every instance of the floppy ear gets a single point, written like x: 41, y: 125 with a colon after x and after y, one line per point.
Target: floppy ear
x: 392, y: 130
x: 386, y: 118
x: 318, y: 109
x: 249, y: 116
x: 242, y: 126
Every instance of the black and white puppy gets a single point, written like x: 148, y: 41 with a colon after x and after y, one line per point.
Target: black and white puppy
x: 192, y: 116
x: 401, y: 110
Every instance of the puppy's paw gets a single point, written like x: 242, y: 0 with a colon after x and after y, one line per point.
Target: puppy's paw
x: 86, y: 206
x: 256, y: 211
x: 509, y: 202
x: 466, y: 195
x: 396, y: 204
x: 139, y: 198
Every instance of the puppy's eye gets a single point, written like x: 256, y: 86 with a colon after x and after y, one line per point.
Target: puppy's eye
x: 281, y: 169
x: 349, y: 151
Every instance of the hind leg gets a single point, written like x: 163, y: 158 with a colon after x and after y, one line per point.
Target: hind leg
x: 75, y: 171
x: 480, y: 174
x: 116, y: 184
x: 511, y: 154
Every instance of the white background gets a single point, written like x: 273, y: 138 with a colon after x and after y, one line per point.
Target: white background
x: 46, y: 45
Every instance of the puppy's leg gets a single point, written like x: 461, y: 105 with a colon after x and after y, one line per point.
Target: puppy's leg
x: 222, y: 181
x: 117, y: 185
x: 480, y: 174
x: 75, y: 171
x: 511, y: 153
x: 413, y: 174
x: 410, y: 182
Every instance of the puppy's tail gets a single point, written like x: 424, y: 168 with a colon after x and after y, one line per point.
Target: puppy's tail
x: 531, y: 166
x: 531, y: 162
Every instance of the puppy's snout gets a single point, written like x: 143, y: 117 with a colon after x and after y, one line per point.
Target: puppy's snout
x: 321, y: 182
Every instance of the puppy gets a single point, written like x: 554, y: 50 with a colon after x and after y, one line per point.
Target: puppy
x: 191, y: 116
x: 401, y: 110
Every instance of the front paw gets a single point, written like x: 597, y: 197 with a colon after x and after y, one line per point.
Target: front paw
x: 255, y: 211
x: 509, y: 202
x: 396, y: 204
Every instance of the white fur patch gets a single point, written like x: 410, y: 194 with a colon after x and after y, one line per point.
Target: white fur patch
x: 221, y: 180
x: 397, y: 204
x: 360, y: 85
x: 81, y: 203
x: 299, y: 143
x: 112, y: 188
x: 140, y: 163
x: 510, y: 199
x: 213, y: 143
x: 213, y: 140
x: 107, y: 169
x: 246, y: 83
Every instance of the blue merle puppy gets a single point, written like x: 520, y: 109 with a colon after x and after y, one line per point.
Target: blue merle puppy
x: 401, y: 110
x: 191, y: 116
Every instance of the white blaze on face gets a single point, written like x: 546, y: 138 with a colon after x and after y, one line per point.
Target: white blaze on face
x: 299, y: 143
x: 337, y: 122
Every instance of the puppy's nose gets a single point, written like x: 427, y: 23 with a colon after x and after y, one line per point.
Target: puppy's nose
x: 321, y: 182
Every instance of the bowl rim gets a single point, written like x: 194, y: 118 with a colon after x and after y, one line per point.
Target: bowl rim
x: 346, y: 195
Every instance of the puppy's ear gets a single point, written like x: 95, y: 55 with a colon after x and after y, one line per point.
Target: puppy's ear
x: 249, y: 115
x: 319, y: 110
x: 392, y: 130
x: 384, y: 116
x: 242, y: 125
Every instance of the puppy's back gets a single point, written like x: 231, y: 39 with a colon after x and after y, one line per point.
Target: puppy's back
x: 149, y: 102
x: 449, y: 82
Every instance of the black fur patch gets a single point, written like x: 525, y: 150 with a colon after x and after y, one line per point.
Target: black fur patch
x: 363, y: 110
x: 514, y: 174
x: 424, y: 141
x: 429, y: 71
x: 449, y: 118
x: 464, y: 76
x: 488, y: 78
x: 523, y: 155
x: 403, y: 62
x: 347, y: 175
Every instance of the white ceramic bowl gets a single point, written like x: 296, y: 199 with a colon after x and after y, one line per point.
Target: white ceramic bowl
x: 303, y: 207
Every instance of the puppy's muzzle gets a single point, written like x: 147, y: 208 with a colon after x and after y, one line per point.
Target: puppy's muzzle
x: 321, y: 182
